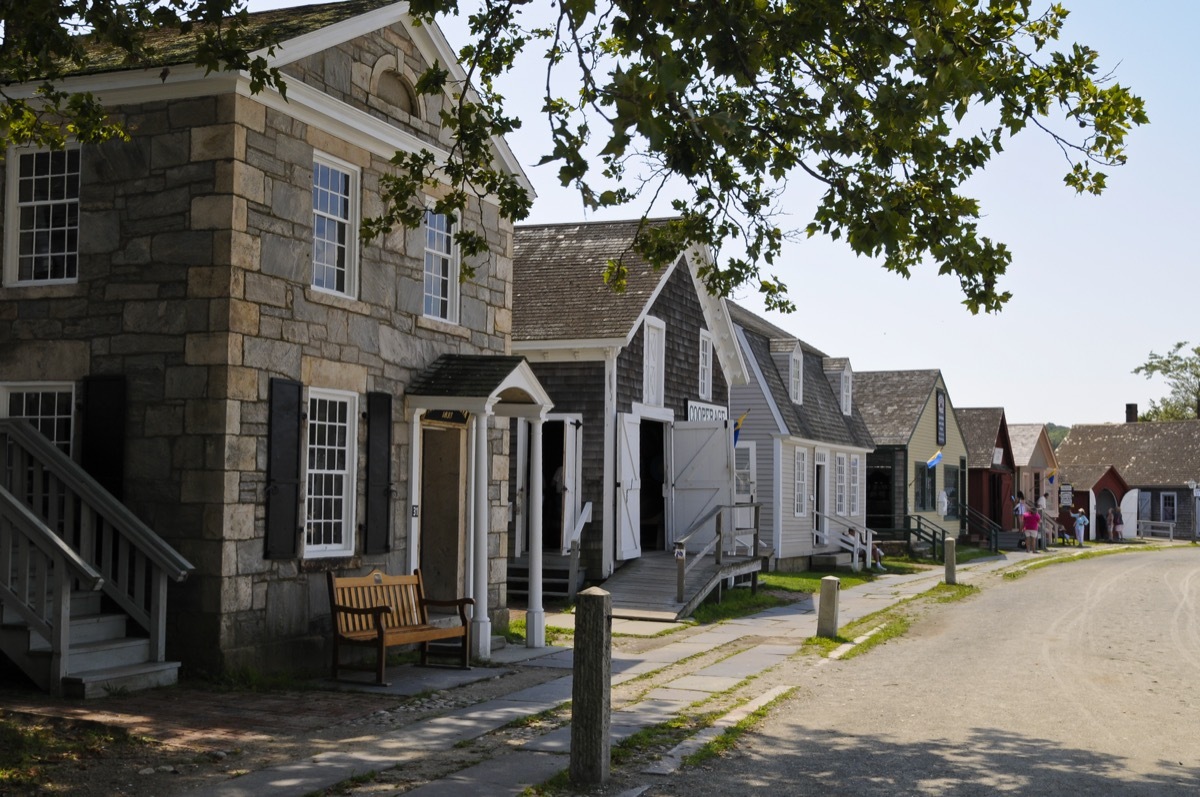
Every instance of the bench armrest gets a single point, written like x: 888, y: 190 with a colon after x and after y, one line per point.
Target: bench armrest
x: 460, y: 603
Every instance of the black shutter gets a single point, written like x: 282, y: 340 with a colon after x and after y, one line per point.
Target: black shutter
x: 377, y: 531
x: 102, y: 442
x: 283, y: 469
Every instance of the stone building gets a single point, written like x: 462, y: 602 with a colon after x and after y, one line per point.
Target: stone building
x: 196, y: 315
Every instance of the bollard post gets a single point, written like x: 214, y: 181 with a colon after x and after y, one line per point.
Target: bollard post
x: 951, y: 575
x: 591, y: 698
x: 827, y: 611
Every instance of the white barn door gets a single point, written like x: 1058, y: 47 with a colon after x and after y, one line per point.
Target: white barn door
x: 629, y: 487
x: 701, y: 476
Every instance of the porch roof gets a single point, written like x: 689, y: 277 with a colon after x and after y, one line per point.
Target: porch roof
x: 479, y: 383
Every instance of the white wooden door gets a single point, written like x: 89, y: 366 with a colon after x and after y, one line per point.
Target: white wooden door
x: 701, y: 476
x: 629, y: 487
x: 572, y: 453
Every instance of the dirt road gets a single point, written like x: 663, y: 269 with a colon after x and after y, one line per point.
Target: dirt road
x: 1073, y: 679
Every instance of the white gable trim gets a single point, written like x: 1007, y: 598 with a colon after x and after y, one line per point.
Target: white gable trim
x: 720, y: 325
x: 759, y: 380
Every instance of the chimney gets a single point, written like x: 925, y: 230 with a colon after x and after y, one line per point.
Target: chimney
x: 1130, y: 413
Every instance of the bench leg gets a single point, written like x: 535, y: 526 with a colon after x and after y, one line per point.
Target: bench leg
x: 380, y: 663
x: 424, y: 646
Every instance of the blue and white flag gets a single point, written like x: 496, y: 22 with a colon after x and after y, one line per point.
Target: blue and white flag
x: 935, y: 459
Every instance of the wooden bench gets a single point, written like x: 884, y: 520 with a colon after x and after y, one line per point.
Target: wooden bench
x: 383, y: 611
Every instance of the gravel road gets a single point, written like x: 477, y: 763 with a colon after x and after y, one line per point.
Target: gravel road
x: 1073, y: 679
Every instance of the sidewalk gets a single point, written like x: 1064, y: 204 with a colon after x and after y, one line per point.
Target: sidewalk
x: 540, y: 757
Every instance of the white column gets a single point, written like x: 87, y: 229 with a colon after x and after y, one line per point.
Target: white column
x: 535, y: 615
x: 481, y: 624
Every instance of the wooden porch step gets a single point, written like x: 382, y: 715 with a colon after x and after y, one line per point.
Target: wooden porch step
x: 118, y: 680
x: 831, y: 561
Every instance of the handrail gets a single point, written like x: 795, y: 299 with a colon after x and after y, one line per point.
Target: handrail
x: 930, y: 532
x: 576, y: 534
x: 992, y: 528
x: 849, y: 542
x: 46, y: 540
x: 716, y: 545
x: 1151, y: 527
x: 59, y: 464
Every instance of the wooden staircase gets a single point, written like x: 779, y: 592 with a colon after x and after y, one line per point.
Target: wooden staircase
x: 83, y: 582
x: 556, y: 577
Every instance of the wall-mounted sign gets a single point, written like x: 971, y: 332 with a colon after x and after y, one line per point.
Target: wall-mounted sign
x: 1066, y: 495
x: 941, y: 417
x: 447, y: 417
x: 699, y: 411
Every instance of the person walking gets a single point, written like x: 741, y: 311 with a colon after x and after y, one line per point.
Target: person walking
x: 1118, y: 525
x: 1031, y: 521
x: 1110, y: 530
x: 1081, y: 524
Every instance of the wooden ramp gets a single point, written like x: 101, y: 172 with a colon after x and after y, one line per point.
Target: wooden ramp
x: 644, y: 588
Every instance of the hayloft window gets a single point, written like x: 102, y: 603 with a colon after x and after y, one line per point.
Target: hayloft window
x: 654, y: 361
x: 42, y: 232
x: 330, y: 473
x: 335, y: 225
x: 706, y: 350
x: 441, y: 268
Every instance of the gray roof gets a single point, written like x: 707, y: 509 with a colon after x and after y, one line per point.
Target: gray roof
x: 820, y: 415
x: 1085, y: 476
x: 1147, y: 454
x: 980, y: 427
x: 1024, y: 439
x: 558, y: 281
x: 892, y: 402
x: 464, y: 375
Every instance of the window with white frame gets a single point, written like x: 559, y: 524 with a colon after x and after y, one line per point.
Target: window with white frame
x: 796, y: 375
x: 1166, y: 507
x: 847, y: 390
x: 441, y: 268
x: 653, y: 361
x: 840, y: 482
x: 330, y: 473
x: 335, y: 226
x: 855, y: 485
x: 706, y: 373
x: 801, y: 476
x: 49, y: 406
x: 42, y: 230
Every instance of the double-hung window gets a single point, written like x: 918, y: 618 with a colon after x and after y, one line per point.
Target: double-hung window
x: 331, y: 456
x: 48, y: 406
x: 42, y: 223
x: 855, y: 485
x: 924, y: 497
x: 441, y: 268
x: 796, y: 367
x: 800, y: 505
x: 335, y: 226
x: 706, y: 371
x: 1166, y: 507
x: 840, y: 482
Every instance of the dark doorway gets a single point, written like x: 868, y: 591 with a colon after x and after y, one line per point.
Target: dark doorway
x: 653, y: 501
x: 553, y: 469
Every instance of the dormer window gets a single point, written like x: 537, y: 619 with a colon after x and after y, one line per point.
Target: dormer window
x: 797, y: 377
x: 847, y: 391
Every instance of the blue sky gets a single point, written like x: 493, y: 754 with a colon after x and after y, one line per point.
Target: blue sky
x: 1097, y: 282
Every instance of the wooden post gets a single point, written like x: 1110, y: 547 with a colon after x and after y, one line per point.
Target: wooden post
x: 591, y: 698
x: 951, y: 575
x: 680, y: 570
x: 827, y: 611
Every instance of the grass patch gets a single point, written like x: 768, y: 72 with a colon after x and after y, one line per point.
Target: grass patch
x: 948, y: 593
x: 810, y: 580
x: 730, y: 736
x: 895, y: 626
x: 517, y: 630
x: 31, y: 749
x: 737, y: 602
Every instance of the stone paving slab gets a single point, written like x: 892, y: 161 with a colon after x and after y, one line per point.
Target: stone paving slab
x: 675, y: 652
x: 703, y: 683
x: 410, y: 679
x: 506, y: 776
x: 748, y: 662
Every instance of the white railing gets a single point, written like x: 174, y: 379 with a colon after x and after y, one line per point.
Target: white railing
x: 132, y: 561
x: 856, y: 544
x: 570, y: 548
x: 716, y: 545
x: 1150, y: 528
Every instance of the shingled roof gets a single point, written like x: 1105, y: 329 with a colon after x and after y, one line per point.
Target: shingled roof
x: 980, y: 428
x: 892, y: 402
x: 820, y: 415
x: 558, y: 282
x: 280, y: 24
x: 1157, y: 454
x: 1023, y: 437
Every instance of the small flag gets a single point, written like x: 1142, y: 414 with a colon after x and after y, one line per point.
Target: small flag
x: 1050, y: 476
x: 935, y: 459
x: 737, y: 426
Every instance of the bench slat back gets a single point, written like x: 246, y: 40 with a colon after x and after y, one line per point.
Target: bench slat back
x: 402, y: 593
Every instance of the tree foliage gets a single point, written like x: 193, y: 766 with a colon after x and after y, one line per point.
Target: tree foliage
x: 44, y: 41
x: 888, y: 105
x: 1181, y: 368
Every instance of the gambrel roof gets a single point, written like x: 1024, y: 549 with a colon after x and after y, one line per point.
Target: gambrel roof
x: 892, y: 402
x: 982, y: 428
x: 819, y: 416
x: 560, y: 299
x: 1147, y: 454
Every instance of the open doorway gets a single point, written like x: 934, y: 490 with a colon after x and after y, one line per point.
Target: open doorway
x: 652, y: 464
x: 553, y: 483
x: 443, y: 511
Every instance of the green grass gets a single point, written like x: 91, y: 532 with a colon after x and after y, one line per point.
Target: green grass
x: 517, y: 630
x: 730, y: 736
x: 737, y: 602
